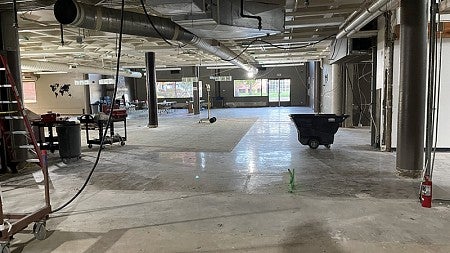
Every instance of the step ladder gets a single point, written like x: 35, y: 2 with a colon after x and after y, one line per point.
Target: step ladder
x: 11, y: 100
x: 12, y: 223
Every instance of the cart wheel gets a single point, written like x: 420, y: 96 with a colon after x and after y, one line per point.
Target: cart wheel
x: 313, y: 143
x: 39, y: 231
x: 90, y: 146
x: 122, y: 143
x: 328, y: 146
x: 5, y: 248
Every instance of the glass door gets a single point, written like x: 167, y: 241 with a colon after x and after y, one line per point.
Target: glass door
x: 279, y: 91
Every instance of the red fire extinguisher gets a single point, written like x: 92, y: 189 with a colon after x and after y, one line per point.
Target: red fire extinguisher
x: 426, y: 192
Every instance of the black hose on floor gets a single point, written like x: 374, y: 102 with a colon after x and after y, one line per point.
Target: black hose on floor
x: 109, y: 117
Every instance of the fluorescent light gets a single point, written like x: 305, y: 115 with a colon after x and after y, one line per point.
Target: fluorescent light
x: 223, y: 67
x: 283, y: 65
x: 50, y: 72
x: 167, y: 69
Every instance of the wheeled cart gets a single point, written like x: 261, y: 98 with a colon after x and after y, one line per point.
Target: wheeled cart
x: 317, y: 129
x: 12, y: 223
x: 89, y: 122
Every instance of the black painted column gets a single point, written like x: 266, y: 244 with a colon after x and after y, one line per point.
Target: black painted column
x: 152, y: 98
x: 317, y: 87
x: 413, y: 70
x: 9, y: 42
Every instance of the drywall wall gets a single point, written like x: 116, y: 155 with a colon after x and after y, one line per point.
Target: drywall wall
x: 327, y: 88
x: 58, y: 93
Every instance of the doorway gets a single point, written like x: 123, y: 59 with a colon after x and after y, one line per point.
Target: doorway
x: 279, y: 92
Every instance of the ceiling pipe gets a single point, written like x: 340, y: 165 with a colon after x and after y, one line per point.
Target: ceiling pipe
x: 108, y: 20
x: 364, y: 18
x: 388, y: 6
x: 348, y: 19
x: 59, y: 67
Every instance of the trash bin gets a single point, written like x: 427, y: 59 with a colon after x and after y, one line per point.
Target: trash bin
x: 317, y: 129
x: 95, y: 108
x: 69, y: 140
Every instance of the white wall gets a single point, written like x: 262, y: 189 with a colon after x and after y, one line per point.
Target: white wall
x: 395, y: 92
x: 327, y: 88
x: 95, y: 89
x: 63, y: 104
x: 380, y: 73
x: 444, y: 114
x: 444, y: 106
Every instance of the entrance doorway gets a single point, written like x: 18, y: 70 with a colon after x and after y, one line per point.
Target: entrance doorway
x: 279, y: 92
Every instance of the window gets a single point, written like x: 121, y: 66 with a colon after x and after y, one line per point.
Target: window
x: 250, y: 88
x: 166, y: 89
x: 29, y: 92
x: 176, y: 89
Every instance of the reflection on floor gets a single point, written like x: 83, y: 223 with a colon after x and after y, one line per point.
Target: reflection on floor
x: 223, y: 187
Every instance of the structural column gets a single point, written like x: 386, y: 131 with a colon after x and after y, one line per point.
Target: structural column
x: 388, y: 82
x: 317, y: 87
x: 196, y: 91
x: 336, y: 87
x: 374, y: 128
x: 348, y: 97
x: 9, y: 42
x: 152, y: 98
x: 413, y: 37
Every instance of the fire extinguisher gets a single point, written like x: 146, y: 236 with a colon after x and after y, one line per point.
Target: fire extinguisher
x: 426, y: 192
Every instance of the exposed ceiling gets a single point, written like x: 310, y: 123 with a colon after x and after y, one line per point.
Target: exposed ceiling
x: 40, y: 35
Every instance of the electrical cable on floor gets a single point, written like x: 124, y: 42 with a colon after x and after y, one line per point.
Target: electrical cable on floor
x: 109, y: 118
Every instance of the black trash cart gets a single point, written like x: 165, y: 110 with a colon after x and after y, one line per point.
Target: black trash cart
x: 317, y: 129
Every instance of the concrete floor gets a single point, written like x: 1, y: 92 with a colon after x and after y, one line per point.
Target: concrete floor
x: 151, y: 197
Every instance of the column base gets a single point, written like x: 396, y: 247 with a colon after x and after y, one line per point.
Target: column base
x: 152, y: 126
x: 409, y: 173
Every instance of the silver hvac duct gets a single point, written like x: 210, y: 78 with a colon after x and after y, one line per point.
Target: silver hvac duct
x: 365, y: 17
x: 108, y: 20
x: 49, y: 66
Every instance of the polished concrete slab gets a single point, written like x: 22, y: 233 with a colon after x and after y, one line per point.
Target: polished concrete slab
x: 148, y: 197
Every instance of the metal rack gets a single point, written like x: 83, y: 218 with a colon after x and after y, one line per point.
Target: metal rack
x: 89, y: 122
